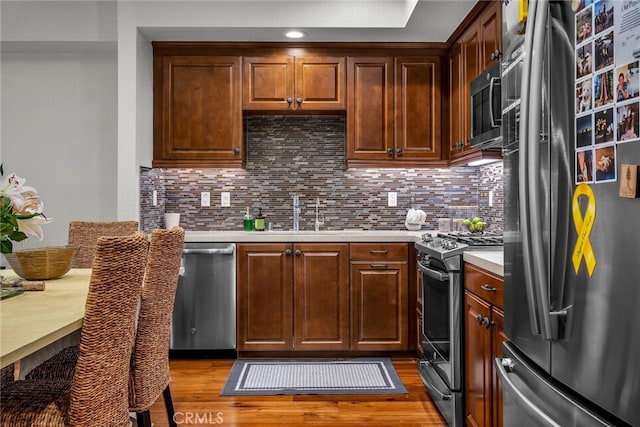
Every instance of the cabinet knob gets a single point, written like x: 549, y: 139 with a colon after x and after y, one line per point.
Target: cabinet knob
x: 479, y: 319
x: 298, y: 252
x: 299, y: 101
x: 390, y: 151
x: 236, y: 151
x: 287, y: 252
x: 486, y: 322
x: 289, y: 101
x: 399, y: 151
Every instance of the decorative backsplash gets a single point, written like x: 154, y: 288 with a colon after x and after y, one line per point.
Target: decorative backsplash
x: 305, y: 155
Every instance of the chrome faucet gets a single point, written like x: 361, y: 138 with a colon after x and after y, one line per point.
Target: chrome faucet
x: 296, y: 213
x: 318, y: 221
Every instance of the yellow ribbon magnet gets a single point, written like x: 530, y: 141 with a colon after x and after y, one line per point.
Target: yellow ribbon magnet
x: 583, y: 225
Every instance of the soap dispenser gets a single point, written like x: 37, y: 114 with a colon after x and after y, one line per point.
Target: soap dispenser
x: 248, y: 223
x: 260, y: 222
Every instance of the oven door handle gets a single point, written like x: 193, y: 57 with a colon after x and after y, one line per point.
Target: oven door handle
x: 434, y: 274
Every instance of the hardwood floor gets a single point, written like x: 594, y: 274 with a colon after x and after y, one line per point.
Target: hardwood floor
x: 196, y: 386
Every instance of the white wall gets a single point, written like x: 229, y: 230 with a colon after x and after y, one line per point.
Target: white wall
x: 59, y: 113
x: 58, y: 116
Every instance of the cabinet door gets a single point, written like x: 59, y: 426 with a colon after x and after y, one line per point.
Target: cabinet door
x: 379, y: 304
x: 490, y: 33
x: 265, y: 297
x: 478, y: 363
x: 498, y: 337
x: 457, y: 107
x: 268, y: 83
x: 370, y: 108
x: 471, y: 68
x: 417, y: 108
x: 198, y: 115
x: 321, y: 296
x: 320, y: 83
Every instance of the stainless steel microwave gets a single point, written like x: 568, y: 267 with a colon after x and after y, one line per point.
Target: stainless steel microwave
x: 486, y: 109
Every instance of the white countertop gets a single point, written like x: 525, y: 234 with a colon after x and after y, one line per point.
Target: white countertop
x: 305, y: 236
x: 490, y: 260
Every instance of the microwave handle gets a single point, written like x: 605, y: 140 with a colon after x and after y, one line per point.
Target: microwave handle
x: 492, y: 83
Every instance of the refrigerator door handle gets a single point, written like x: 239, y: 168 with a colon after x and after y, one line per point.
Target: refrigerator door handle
x: 516, y: 393
x: 538, y: 260
x: 523, y: 177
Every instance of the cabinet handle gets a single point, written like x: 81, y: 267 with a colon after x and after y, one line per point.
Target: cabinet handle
x: 399, y: 151
x: 378, y: 265
x: 495, y: 55
x: 287, y: 252
x: 236, y: 150
x: 488, y: 323
x: 299, y: 101
x: 479, y: 319
x: 390, y: 151
x: 382, y: 251
x: 488, y: 288
x: 298, y: 252
x: 289, y: 101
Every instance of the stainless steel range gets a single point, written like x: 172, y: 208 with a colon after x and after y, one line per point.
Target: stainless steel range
x: 441, y: 266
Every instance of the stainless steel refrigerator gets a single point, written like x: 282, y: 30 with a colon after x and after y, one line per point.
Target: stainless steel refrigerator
x: 572, y: 241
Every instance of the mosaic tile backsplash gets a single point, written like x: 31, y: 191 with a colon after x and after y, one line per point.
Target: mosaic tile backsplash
x: 305, y: 155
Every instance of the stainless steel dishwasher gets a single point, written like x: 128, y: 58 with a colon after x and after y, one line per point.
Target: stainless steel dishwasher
x: 204, y: 316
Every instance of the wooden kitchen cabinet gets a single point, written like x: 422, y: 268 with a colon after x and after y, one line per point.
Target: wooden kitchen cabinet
x: 288, y: 83
x: 417, y: 108
x: 197, y: 111
x: 463, y: 61
x: 394, y: 110
x: 490, y: 34
x: 379, y: 298
x: 468, y: 57
x: 484, y: 335
x: 293, y: 297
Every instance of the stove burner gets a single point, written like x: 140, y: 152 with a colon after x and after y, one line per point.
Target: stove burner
x: 475, y: 239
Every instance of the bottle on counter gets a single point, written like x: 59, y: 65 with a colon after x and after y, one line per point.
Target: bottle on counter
x: 248, y: 221
x: 259, y: 222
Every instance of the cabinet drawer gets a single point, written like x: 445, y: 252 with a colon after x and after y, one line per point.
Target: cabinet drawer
x: 484, y: 284
x: 379, y: 251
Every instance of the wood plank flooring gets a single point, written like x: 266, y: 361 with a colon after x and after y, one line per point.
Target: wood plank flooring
x: 196, y: 386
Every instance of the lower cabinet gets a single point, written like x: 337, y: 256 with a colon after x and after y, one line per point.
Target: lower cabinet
x: 484, y: 335
x: 313, y: 297
x: 379, y: 297
x: 293, y: 297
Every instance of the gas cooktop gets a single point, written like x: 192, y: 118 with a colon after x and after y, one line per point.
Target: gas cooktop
x: 445, y: 245
x: 475, y: 239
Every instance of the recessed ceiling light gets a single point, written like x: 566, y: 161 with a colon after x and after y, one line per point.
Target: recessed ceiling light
x: 295, y: 34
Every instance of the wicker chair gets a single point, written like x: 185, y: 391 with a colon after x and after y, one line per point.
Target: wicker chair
x: 150, y: 362
x: 85, y: 234
x: 6, y: 375
x: 97, y: 395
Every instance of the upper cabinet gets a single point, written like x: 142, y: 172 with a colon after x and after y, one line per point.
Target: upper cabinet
x: 417, y: 108
x: 394, y: 110
x: 490, y: 29
x: 479, y: 46
x: 312, y: 83
x: 197, y: 111
x: 392, y: 94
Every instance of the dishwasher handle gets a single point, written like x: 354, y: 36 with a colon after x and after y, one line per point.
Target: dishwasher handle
x: 210, y: 251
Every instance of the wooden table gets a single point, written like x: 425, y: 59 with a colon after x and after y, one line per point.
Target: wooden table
x: 35, y: 319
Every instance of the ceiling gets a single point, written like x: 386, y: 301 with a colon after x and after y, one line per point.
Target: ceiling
x: 322, y: 21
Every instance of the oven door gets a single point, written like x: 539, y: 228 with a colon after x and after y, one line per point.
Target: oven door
x: 441, y: 326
